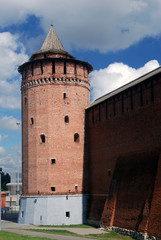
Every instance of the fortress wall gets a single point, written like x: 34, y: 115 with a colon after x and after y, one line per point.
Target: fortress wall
x: 154, y: 225
x: 124, y: 143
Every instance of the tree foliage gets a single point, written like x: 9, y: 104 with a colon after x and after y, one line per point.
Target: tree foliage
x: 5, y: 178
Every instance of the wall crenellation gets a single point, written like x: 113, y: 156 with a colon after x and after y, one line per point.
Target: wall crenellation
x: 126, y: 101
x: 56, y: 68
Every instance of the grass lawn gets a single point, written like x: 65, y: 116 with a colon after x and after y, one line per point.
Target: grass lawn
x: 107, y: 235
x: 110, y: 235
x: 13, y: 236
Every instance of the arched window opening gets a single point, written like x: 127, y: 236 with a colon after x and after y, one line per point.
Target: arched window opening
x: 25, y: 99
x: 76, y: 187
x: 76, y: 137
x: 64, y: 95
x: 42, y: 136
x: 66, y: 119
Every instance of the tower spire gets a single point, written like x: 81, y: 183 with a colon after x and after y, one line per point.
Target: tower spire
x: 52, y: 41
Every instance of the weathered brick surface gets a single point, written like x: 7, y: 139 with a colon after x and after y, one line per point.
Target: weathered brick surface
x: 44, y: 102
x: 116, y: 159
x: 124, y: 136
x: 154, y: 227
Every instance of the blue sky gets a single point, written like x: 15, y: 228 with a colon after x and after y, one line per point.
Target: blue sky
x: 121, y: 39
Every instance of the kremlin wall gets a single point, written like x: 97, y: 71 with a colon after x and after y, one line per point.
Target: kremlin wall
x: 98, y: 163
x: 124, y: 158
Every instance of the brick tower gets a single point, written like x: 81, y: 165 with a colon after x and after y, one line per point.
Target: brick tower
x: 55, y: 93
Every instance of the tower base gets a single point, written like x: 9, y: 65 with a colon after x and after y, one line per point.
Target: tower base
x: 53, y: 210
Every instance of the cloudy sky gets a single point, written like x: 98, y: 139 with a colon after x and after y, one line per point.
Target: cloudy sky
x: 120, y: 38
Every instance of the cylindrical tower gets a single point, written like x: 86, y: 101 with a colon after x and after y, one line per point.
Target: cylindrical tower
x: 55, y: 93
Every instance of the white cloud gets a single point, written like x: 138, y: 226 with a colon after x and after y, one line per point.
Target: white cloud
x: 116, y: 75
x: 12, y: 54
x: 8, y: 123
x: 4, y: 136
x: 9, y: 163
x: 2, y: 151
x: 103, y: 25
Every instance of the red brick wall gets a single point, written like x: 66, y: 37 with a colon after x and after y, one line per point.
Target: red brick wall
x: 132, y: 187
x: 45, y: 103
x: 3, y: 199
x: 124, y: 138
x: 154, y: 227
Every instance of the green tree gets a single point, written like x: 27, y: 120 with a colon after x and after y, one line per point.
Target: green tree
x: 5, y: 178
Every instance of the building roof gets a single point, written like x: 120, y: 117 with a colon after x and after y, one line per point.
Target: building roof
x: 125, y: 87
x: 52, y: 42
x: 52, y: 48
x: 13, y: 184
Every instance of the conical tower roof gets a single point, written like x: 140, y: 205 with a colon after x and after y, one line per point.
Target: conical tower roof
x: 52, y: 42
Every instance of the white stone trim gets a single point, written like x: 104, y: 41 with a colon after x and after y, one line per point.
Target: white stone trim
x: 43, y: 81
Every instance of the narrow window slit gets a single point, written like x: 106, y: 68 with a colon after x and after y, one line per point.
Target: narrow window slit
x: 25, y: 100
x: 31, y: 120
x: 65, y: 69
x: 42, y: 136
x: 76, y: 137
x: 53, y: 67
x: 66, y: 119
x: 75, y: 69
